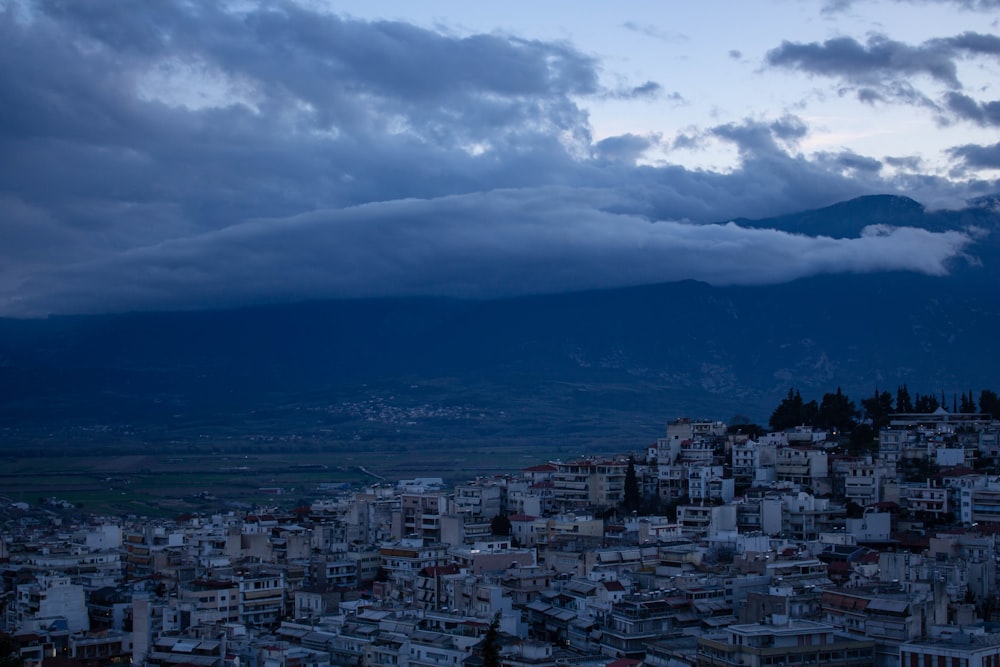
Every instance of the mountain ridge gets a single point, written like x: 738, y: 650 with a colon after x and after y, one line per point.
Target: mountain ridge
x: 637, y: 355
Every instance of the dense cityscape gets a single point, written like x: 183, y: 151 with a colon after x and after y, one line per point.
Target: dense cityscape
x: 713, y: 546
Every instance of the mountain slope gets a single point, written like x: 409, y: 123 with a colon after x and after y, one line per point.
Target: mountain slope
x: 601, y: 364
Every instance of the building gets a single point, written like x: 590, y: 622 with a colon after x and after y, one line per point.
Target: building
x: 957, y: 650
x: 784, y: 642
x: 47, y: 601
x: 801, y: 465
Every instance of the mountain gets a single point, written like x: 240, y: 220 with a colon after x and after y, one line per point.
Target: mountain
x: 605, y: 366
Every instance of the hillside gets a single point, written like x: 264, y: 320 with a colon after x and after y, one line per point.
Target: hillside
x: 591, y: 368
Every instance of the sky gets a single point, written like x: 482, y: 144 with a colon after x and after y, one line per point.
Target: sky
x: 196, y: 154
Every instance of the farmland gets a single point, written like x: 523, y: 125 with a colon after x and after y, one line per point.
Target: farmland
x: 169, y: 484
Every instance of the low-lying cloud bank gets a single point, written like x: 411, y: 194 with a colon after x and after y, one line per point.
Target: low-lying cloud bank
x: 493, y: 244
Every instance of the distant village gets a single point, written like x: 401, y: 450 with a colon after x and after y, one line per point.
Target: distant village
x: 708, y: 548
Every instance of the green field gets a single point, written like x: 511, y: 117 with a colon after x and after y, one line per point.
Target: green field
x: 176, y: 483
x: 167, y: 461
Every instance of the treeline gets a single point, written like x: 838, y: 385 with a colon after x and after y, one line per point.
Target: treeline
x: 837, y: 412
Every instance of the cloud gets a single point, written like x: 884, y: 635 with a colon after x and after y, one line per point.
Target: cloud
x: 850, y: 162
x: 910, y: 162
x: 976, y: 156
x: 483, y: 244
x: 883, y: 70
x: 789, y: 128
x: 878, y: 60
x: 650, y: 89
x: 624, y: 148
x: 974, y: 42
x: 654, y: 32
x: 981, y: 113
x: 834, y: 6
x: 176, y: 154
x: 758, y: 138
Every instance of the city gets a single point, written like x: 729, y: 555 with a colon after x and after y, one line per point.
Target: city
x: 708, y: 547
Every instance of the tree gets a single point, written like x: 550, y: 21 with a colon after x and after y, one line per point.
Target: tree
x: 836, y: 411
x: 903, y: 402
x: 968, y: 404
x: 810, y: 411
x: 491, y: 643
x: 633, y: 498
x: 877, y: 409
x: 862, y: 440
x: 793, y: 411
x: 10, y: 654
x: 500, y: 525
x: 989, y: 403
x: 919, y: 470
x: 926, y: 404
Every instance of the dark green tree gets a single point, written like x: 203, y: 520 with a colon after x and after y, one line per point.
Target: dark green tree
x: 903, y: 401
x: 862, y: 440
x: 877, y: 409
x: 810, y: 412
x: 968, y: 404
x: 10, y: 654
x: 491, y: 643
x: 926, y: 404
x: 500, y: 525
x: 787, y: 413
x: 837, y: 411
x: 919, y: 470
x: 793, y: 411
x: 989, y: 403
x: 633, y: 498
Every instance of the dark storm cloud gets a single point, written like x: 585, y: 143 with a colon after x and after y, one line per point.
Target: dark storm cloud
x: 180, y: 155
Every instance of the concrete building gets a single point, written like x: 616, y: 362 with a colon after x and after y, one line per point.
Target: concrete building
x: 47, y: 601
x: 786, y: 642
x: 802, y: 465
x: 927, y: 501
x: 479, y: 499
x: 958, y: 648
